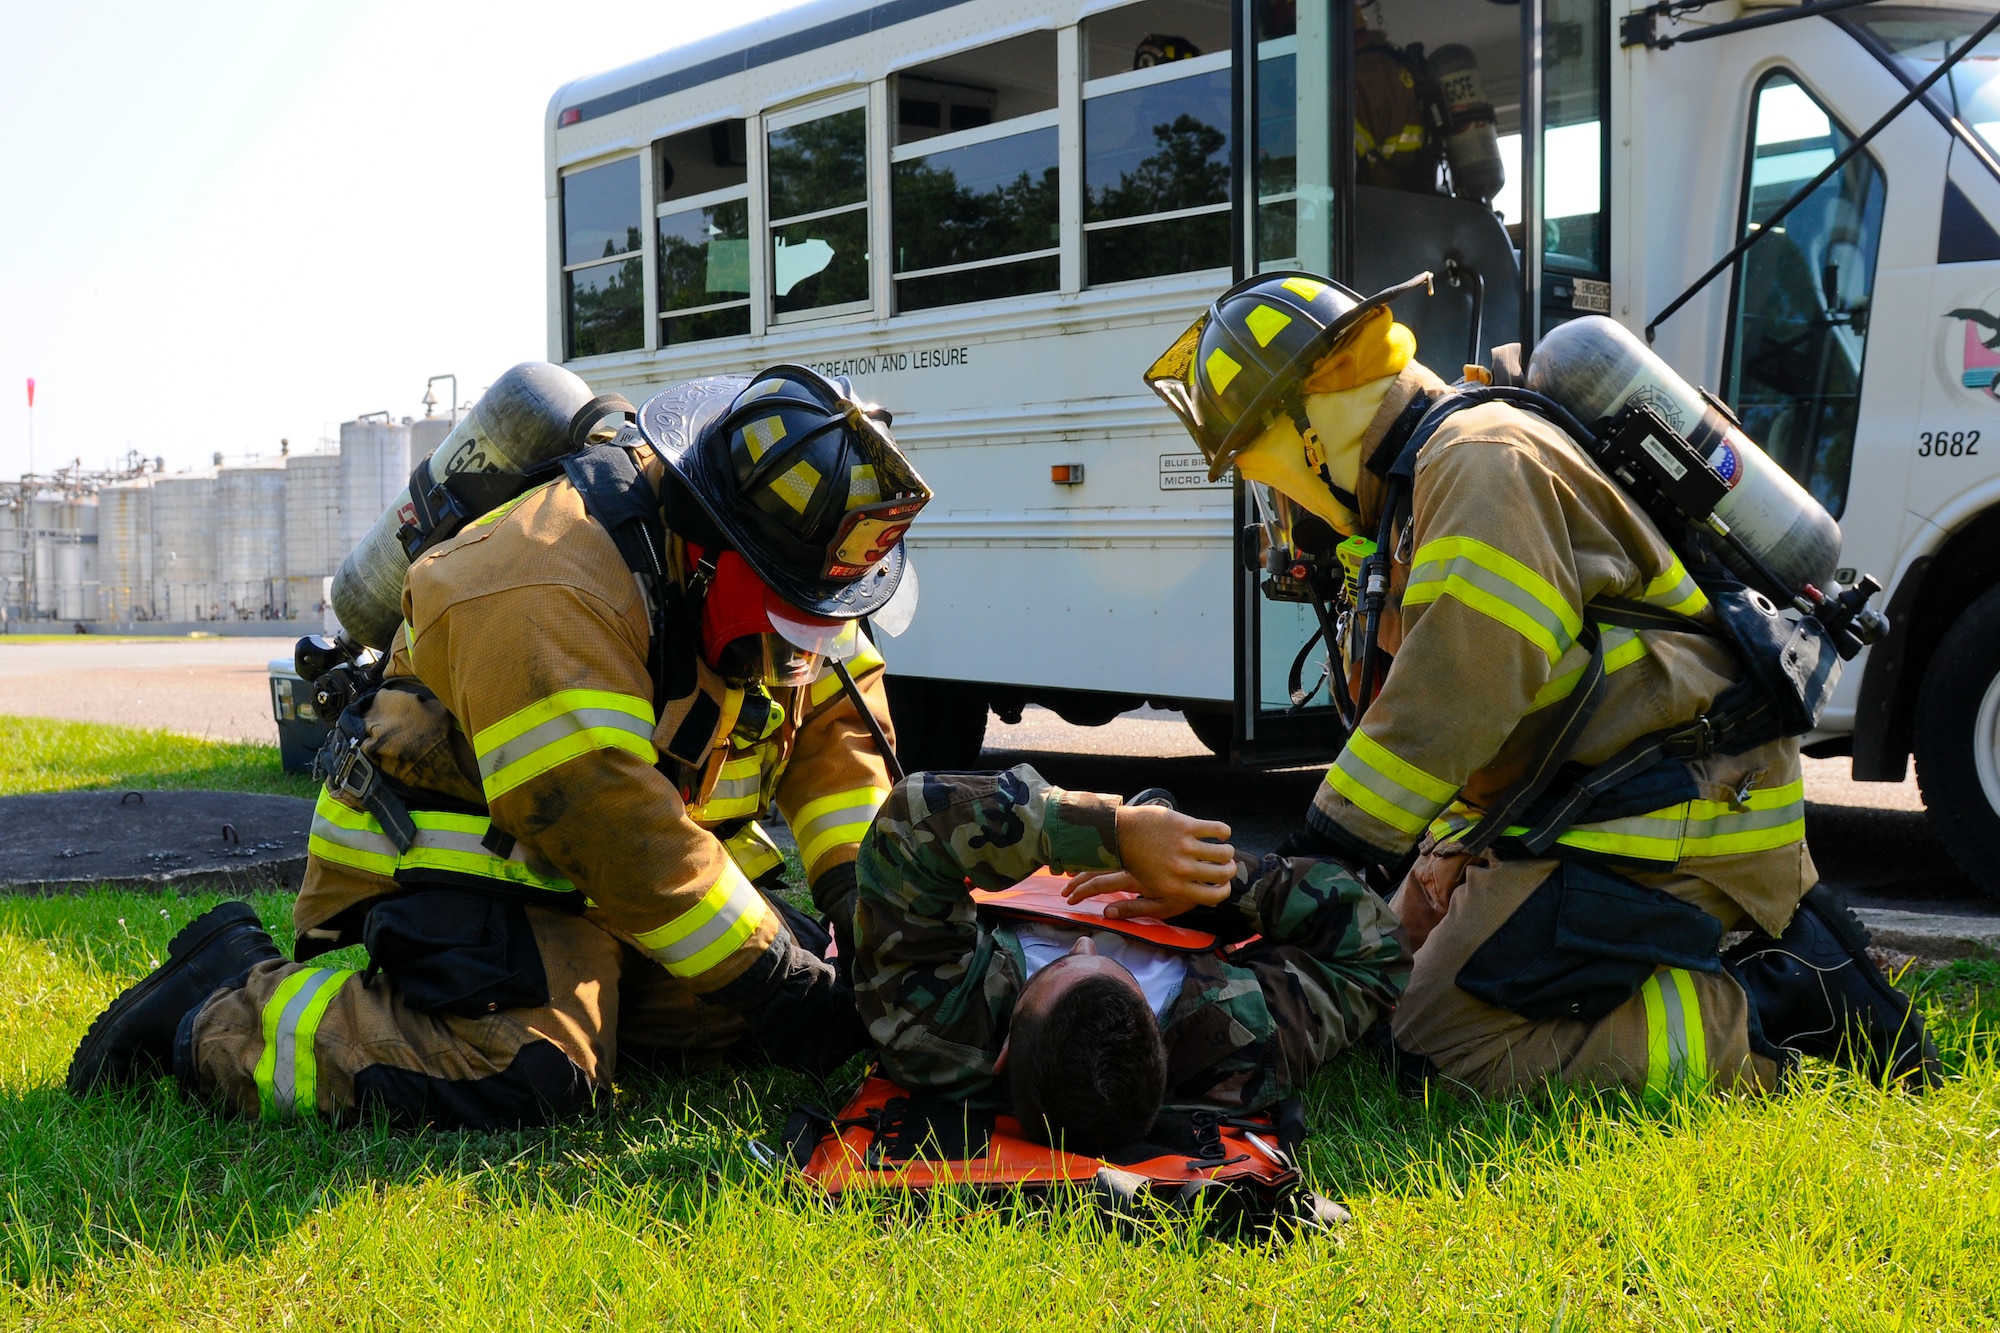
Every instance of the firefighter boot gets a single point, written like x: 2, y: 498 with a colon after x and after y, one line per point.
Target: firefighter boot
x: 134, y: 1039
x: 1814, y: 990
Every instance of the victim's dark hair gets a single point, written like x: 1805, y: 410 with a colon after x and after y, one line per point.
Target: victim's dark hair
x: 1089, y: 1074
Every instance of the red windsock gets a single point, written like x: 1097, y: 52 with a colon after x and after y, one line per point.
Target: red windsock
x: 31, y: 391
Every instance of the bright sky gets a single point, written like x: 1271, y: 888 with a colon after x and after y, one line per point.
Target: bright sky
x: 223, y: 222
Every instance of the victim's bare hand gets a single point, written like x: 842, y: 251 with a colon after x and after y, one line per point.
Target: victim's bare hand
x: 1167, y: 863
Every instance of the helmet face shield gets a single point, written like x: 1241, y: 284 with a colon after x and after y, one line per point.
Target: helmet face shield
x: 835, y: 639
x: 768, y: 660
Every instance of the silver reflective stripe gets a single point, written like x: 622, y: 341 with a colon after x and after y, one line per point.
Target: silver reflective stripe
x: 284, y: 1074
x: 354, y: 839
x: 1428, y: 580
x: 555, y: 729
x: 1677, y: 1035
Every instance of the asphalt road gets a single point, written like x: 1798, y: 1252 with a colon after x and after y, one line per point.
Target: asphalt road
x: 1869, y: 839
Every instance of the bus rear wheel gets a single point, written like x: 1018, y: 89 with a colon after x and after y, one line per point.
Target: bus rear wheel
x: 1957, y: 741
x: 940, y: 724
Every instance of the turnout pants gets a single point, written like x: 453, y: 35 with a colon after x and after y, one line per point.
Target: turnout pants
x: 1575, y: 1011
x: 297, y: 1039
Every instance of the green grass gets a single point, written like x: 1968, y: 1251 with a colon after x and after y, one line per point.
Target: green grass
x: 1836, y: 1206
x: 45, y: 755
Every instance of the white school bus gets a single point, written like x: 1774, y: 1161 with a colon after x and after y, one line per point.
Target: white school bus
x: 991, y: 215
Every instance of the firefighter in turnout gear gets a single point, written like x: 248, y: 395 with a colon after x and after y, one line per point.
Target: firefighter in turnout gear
x: 1517, y: 572
x: 600, y: 686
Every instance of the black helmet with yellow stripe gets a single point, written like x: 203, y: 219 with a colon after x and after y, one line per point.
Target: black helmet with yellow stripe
x: 1238, y: 367
x: 800, y: 478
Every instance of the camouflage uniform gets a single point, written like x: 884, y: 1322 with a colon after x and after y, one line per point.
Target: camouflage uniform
x: 937, y: 982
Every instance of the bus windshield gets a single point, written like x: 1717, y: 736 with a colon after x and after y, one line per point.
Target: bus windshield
x: 1912, y: 41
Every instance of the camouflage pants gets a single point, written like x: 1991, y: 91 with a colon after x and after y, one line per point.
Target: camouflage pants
x: 1684, y: 1024
x: 297, y: 1039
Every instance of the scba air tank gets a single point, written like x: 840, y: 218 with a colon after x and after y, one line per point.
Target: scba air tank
x: 520, y: 422
x: 1472, y: 140
x: 1594, y: 366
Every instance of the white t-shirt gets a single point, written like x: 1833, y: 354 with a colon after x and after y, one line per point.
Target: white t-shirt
x: 1158, y: 971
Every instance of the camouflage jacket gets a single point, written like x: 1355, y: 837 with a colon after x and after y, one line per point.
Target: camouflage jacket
x: 936, y: 981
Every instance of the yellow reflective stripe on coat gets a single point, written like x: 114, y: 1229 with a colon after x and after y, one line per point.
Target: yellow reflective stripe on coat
x: 1387, y: 786
x: 1497, y: 585
x: 832, y: 822
x: 537, y: 738
x: 699, y: 938
x: 751, y: 848
x: 739, y: 790
x: 1622, y: 647
x: 287, y: 1072
x: 1676, y: 1046
x: 828, y: 685
x: 350, y: 838
x: 1675, y: 590
x: 1767, y: 819
x: 445, y: 841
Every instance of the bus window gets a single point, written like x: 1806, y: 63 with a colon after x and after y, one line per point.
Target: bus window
x: 1799, y: 316
x: 1277, y: 162
x: 1575, y: 246
x: 603, y: 279
x: 703, y: 219
x: 817, y: 168
x: 973, y: 204
x: 1156, y: 131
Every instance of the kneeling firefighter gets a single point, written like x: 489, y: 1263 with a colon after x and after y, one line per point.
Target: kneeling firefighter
x: 540, y: 816
x: 1581, y: 762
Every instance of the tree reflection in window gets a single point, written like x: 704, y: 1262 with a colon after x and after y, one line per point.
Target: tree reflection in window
x: 962, y: 206
x: 606, y: 308
x: 1159, y: 148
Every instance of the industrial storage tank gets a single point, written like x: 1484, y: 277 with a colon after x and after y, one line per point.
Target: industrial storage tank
x: 125, y: 549
x: 64, y: 541
x: 250, y: 539
x: 426, y: 434
x: 315, y: 539
x: 374, y: 469
x: 13, y: 557
x: 184, y: 521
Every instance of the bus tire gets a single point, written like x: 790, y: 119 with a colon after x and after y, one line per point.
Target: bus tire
x: 940, y: 724
x: 1957, y: 741
x: 1215, y: 730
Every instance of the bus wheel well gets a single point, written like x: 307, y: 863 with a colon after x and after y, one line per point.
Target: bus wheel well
x: 1933, y: 594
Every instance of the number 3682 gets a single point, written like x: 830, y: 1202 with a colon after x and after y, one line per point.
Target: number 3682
x: 1948, y: 444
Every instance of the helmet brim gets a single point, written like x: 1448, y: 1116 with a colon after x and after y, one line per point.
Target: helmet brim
x: 673, y: 422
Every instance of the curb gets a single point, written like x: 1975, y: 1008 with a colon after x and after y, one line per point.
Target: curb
x: 1929, y: 936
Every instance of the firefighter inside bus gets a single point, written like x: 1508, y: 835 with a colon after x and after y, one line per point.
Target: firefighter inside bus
x: 1431, y: 87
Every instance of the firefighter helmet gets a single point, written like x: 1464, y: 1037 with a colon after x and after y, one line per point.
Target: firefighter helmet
x: 801, y: 479
x: 1239, y: 365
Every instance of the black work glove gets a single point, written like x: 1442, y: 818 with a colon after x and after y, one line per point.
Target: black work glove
x: 800, y: 1015
x: 1305, y: 840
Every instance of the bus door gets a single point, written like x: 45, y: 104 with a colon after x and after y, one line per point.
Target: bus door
x: 1384, y: 139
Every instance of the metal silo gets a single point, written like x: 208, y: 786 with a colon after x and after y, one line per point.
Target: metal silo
x: 315, y: 539
x: 13, y: 556
x: 125, y: 549
x: 426, y: 434
x: 184, y: 520
x: 250, y: 539
x: 65, y: 555
x: 374, y: 469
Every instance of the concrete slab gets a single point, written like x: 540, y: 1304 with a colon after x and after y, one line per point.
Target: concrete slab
x: 1929, y: 935
x: 69, y: 841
